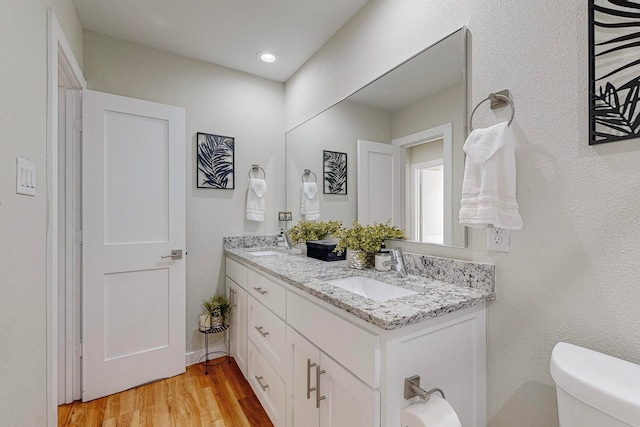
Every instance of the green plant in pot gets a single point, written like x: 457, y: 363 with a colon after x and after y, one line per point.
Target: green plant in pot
x: 313, y: 230
x: 217, y: 312
x: 363, y: 241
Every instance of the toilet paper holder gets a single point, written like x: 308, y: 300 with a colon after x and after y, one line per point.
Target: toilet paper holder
x: 412, y: 389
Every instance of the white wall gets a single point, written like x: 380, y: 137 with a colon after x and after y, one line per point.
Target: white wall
x: 23, y: 220
x: 572, y: 274
x: 219, y: 101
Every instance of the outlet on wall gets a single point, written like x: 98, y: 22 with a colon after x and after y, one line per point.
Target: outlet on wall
x: 498, y: 239
x: 25, y: 177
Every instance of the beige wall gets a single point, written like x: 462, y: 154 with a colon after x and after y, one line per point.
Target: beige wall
x: 23, y: 112
x: 217, y: 100
x: 572, y: 274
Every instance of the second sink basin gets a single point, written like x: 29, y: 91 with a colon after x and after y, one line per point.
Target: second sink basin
x: 371, y: 288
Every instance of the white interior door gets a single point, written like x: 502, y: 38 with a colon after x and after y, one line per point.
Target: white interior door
x: 133, y: 217
x: 380, y: 183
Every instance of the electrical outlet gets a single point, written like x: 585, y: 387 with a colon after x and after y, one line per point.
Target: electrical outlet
x: 498, y: 239
x: 25, y: 177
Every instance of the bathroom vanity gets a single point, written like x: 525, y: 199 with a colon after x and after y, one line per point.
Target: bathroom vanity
x: 320, y: 355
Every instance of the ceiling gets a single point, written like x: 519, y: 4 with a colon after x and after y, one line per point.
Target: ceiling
x: 224, y: 32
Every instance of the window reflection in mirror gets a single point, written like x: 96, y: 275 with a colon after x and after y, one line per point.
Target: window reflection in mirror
x: 424, y: 166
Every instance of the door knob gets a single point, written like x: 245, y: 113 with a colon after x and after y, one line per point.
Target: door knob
x: 175, y: 254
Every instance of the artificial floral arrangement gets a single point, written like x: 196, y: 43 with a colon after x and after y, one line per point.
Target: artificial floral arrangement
x: 217, y: 312
x: 366, y: 239
x: 313, y: 230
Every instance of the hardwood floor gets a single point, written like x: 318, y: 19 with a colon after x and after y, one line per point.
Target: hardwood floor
x: 221, y: 399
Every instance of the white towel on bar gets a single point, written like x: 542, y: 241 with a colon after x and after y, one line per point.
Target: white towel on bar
x: 489, y: 185
x: 309, y: 201
x: 255, y: 199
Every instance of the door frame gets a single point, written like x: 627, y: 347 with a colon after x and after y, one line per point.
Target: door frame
x: 444, y: 132
x: 61, y: 66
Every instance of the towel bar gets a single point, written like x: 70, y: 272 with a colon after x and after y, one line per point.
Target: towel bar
x: 308, y: 172
x: 498, y: 99
x: 256, y: 169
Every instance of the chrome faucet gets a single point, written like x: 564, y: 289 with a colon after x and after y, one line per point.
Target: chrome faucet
x: 397, y: 262
x: 285, y: 239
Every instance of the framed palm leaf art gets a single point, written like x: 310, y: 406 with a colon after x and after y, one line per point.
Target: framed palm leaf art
x: 216, y: 161
x: 614, y: 70
x: 334, y: 172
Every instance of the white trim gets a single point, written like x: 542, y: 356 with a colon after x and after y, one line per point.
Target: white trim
x: 59, y: 56
x: 416, y: 228
x: 445, y: 132
x: 195, y: 357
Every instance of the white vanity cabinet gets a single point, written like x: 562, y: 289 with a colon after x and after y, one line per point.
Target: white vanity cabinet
x: 312, y: 364
x: 323, y: 393
x: 236, y: 282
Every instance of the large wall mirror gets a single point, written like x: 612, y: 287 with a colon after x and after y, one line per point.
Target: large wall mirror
x: 402, y: 137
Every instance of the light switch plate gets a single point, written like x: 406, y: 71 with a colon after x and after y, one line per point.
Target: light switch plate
x: 498, y: 239
x: 25, y: 177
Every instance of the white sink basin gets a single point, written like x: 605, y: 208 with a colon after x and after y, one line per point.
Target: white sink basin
x: 371, y: 288
x: 264, y: 253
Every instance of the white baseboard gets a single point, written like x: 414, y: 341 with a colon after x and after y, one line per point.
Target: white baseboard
x: 197, y: 356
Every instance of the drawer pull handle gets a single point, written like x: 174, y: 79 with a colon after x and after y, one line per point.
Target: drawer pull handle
x: 309, y: 388
x: 260, y: 291
x: 264, y: 387
x: 232, y: 299
x: 318, y: 397
x: 260, y: 329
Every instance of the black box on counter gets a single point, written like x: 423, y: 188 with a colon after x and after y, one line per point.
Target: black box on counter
x: 323, y: 250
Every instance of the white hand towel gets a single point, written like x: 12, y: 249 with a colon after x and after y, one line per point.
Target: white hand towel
x: 489, y: 185
x: 255, y: 199
x: 309, y: 201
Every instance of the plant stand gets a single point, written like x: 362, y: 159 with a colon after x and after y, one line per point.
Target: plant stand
x: 216, y: 330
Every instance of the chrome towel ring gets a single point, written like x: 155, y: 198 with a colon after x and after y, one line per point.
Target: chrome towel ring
x: 256, y: 169
x: 498, y: 99
x: 308, y: 172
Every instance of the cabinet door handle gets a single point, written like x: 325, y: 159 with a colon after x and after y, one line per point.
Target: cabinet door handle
x: 260, y: 291
x: 318, y: 397
x: 309, y: 388
x: 260, y: 329
x: 264, y: 387
x: 231, y: 303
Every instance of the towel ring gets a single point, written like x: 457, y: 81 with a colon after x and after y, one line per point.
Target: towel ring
x: 308, y: 172
x: 493, y: 97
x: 256, y: 169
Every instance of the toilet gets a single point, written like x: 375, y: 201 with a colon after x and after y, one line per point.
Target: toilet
x: 594, y: 389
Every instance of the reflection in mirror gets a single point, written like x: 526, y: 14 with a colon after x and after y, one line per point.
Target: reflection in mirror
x: 419, y: 108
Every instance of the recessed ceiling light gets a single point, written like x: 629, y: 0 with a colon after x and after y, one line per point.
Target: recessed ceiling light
x: 267, y: 57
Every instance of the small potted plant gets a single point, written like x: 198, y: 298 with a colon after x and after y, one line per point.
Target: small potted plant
x: 313, y: 230
x: 363, y: 241
x: 217, y: 312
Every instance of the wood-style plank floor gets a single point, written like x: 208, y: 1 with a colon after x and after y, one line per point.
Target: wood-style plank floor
x: 221, y: 399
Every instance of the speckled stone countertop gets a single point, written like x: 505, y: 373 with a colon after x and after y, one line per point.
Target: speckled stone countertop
x: 433, y: 298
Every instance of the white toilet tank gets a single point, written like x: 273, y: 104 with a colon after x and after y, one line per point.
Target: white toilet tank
x: 594, y: 389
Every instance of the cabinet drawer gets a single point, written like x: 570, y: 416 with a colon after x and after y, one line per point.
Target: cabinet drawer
x: 237, y: 272
x: 268, y: 333
x: 267, y: 385
x: 356, y: 349
x: 268, y: 292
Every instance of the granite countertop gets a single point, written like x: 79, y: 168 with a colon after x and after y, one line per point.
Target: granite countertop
x: 433, y: 298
